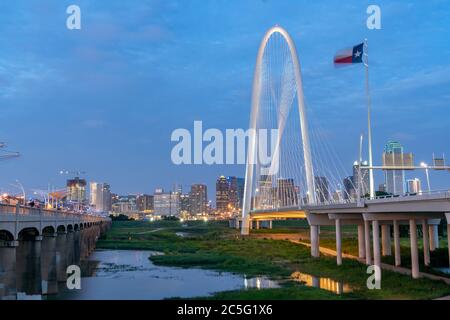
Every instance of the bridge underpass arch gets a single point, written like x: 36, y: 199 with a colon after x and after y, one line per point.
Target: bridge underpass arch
x: 6, y: 235
x: 27, y: 234
x: 48, y: 230
x: 61, y: 229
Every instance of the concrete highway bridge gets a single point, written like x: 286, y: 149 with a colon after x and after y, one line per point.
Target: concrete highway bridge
x: 370, y: 216
x: 37, y: 245
x: 302, y: 177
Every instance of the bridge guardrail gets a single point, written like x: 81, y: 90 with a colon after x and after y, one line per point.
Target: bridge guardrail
x: 423, y: 194
x: 32, y: 211
x: 420, y: 195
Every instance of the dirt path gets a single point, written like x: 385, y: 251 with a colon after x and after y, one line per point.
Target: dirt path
x: 159, y: 229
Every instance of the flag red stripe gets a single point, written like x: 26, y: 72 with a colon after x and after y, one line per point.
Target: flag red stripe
x: 347, y: 59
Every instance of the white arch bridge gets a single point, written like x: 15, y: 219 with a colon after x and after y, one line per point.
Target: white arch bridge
x: 303, y: 169
x: 37, y: 245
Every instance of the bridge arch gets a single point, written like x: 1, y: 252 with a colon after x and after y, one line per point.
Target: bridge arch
x: 26, y: 234
x: 255, y: 110
x: 6, y: 235
x: 61, y: 229
x: 69, y: 228
x: 48, y: 230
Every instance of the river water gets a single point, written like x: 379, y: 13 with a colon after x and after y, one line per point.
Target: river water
x: 129, y: 274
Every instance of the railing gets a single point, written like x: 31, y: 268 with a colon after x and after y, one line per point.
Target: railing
x: 33, y: 211
x: 422, y: 194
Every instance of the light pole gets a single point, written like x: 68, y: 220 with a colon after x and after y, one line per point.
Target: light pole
x: 424, y: 165
x: 20, y: 186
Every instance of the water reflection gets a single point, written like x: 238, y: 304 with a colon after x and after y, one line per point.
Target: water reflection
x: 328, y: 284
x: 260, y: 283
x: 129, y: 274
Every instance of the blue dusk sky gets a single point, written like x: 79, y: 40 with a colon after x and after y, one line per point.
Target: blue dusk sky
x: 105, y: 99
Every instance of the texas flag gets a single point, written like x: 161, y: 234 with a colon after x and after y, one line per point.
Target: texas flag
x: 350, y: 55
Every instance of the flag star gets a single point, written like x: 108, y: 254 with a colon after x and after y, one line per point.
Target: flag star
x: 357, y: 54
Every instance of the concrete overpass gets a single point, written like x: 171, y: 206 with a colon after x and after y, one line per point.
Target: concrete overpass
x: 371, y: 215
x: 37, y: 245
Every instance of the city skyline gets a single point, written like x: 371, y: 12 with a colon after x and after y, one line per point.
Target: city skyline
x: 224, y: 150
x: 131, y: 55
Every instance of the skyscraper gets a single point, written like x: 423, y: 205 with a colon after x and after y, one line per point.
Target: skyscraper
x: 240, y: 191
x: 322, y: 189
x: 222, y: 194
x: 125, y: 204
x: 286, y: 193
x: 166, y: 203
x: 349, y: 189
x: 185, y: 204
x: 76, y: 191
x: 393, y: 156
x: 364, y: 180
x: 100, y: 196
x: 413, y: 185
x: 198, y: 199
x: 233, y: 192
x: 266, y: 197
x: 95, y: 195
x: 144, y: 202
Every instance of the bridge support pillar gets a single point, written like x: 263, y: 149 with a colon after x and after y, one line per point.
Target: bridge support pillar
x: 414, y: 250
x: 70, y: 248
x: 246, y: 225
x: 447, y: 217
x: 386, y: 239
x: 434, y: 236
x: 61, y: 257
x: 426, y: 242
x: 398, y: 259
x: 8, y: 270
x: 76, y: 246
x: 367, y: 242
x: 314, y: 234
x: 361, y: 242
x: 448, y: 242
x: 338, y: 242
x: 28, y: 267
x: 48, y: 264
x: 376, y: 243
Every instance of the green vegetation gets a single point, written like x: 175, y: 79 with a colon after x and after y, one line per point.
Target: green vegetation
x: 291, y: 292
x: 214, y: 246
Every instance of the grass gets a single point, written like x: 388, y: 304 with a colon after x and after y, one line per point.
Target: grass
x: 438, y: 258
x: 214, y: 246
x: 291, y: 292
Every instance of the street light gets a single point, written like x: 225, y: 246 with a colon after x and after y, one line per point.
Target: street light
x: 20, y: 186
x: 424, y: 165
x: 23, y: 191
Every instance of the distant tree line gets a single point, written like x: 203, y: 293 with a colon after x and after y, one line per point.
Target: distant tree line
x: 120, y: 217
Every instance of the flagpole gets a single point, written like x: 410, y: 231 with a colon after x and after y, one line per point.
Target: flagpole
x: 369, y: 128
